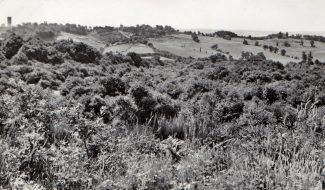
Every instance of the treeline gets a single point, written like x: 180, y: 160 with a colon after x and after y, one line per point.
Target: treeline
x: 49, y: 30
x: 148, y: 31
x: 315, y: 38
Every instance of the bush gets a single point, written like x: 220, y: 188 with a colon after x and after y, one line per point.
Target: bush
x: 78, y: 51
x: 37, y: 50
x: 11, y: 45
x: 173, y: 89
x: 218, y: 73
x: 215, y: 46
x: 197, y: 87
x: 270, y: 95
x: 255, y: 76
x: 113, y: 86
x: 149, y: 106
x: 137, y: 60
x: 286, y: 44
x: 114, y: 59
x: 218, y: 57
x: 119, y: 109
x: 195, y: 37
x: 245, y: 42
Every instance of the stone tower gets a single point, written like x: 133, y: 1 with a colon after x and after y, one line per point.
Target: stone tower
x: 9, y: 21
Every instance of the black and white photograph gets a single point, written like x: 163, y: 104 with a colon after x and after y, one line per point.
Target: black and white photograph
x: 162, y: 94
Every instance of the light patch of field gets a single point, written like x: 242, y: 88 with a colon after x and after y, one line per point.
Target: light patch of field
x: 296, y: 49
x: 88, y: 39
x: 126, y: 48
x: 91, y: 40
x: 183, y: 45
x: 161, y: 58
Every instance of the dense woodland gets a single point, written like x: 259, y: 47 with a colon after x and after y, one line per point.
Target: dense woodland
x: 72, y: 118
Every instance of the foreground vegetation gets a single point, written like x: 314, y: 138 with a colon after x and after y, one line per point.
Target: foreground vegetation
x: 72, y: 118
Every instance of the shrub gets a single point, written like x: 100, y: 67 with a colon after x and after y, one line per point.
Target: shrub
x: 218, y: 73
x: 270, y: 95
x: 197, y: 87
x: 265, y: 47
x: 20, y: 59
x: 114, y: 59
x: 277, y: 76
x: 113, y: 86
x: 259, y: 57
x: 195, y: 37
x: 312, y: 43
x: 218, y: 57
x: 119, y: 109
x: 69, y: 84
x: 79, y: 52
x: 137, y: 60
x: 251, y: 92
x: 11, y: 45
x: 173, y: 89
x: 149, y: 107
x: 246, y: 55
x: 286, y: 44
x: 215, y: 46
x: 245, y: 42
x: 255, y: 76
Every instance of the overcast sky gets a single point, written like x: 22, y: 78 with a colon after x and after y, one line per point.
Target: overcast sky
x: 275, y: 15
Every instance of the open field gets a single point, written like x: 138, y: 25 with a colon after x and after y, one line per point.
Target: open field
x: 89, y: 39
x: 183, y: 45
x: 93, y: 41
x: 126, y: 48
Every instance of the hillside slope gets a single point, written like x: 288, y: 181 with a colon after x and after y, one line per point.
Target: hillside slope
x: 72, y: 118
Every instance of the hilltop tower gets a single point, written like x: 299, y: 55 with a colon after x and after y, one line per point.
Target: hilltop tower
x: 9, y: 21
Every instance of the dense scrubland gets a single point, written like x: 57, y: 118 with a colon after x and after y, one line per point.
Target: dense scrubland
x: 73, y: 118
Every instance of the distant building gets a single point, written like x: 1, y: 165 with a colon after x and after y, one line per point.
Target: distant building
x: 9, y: 21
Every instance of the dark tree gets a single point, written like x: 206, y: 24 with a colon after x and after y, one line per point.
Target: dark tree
x: 195, y: 37
x: 245, y: 42
x: 304, y: 56
x: 257, y: 44
x: 265, y: 47
x: 302, y: 43
x: 283, y: 52
x: 135, y: 58
x: 312, y: 43
x: 286, y: 44
x: 310, y: 57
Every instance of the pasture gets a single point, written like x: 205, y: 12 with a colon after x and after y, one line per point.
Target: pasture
x: 126, y: 48
x: 183, y: 45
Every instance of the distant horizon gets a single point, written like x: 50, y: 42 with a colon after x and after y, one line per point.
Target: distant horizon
x: 240, y: 32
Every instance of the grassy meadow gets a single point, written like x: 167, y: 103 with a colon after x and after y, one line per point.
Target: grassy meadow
x: 183, y: 45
